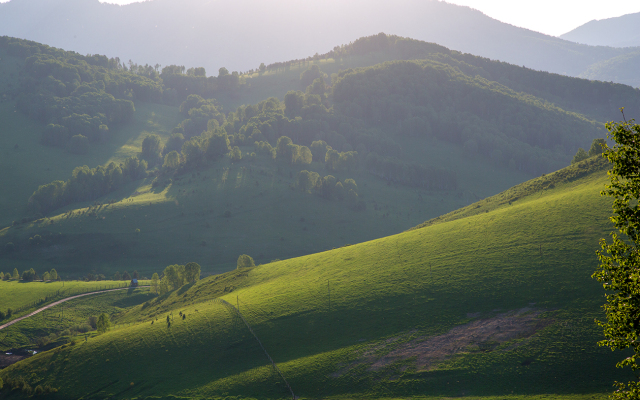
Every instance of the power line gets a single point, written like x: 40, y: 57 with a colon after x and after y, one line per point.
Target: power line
x: 231, y: 307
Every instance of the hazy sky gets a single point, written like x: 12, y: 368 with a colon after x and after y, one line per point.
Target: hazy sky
x: 553, y: 17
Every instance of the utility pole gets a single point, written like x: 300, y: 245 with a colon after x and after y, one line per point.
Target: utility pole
x: 238, y: 303
x: 329, y: 290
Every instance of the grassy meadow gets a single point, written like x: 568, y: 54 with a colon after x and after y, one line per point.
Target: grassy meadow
x: 16, y: 294
x: 493, y: 302
x: 65, y: 321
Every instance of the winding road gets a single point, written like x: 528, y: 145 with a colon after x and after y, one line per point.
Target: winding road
x: 59, y: 302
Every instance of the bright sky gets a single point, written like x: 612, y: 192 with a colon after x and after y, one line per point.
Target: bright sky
x: 553, y: 17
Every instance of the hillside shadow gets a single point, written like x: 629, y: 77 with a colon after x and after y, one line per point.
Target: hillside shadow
x: 186, y: 287
x: 133, y: 299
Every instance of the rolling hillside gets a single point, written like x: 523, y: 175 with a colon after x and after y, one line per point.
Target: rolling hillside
x: 464, y: 138
x: 492, y: 300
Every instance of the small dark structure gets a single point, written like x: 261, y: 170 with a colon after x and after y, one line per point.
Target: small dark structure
x: 134, y: 282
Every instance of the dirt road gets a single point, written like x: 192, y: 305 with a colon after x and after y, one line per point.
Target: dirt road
x: 59, y: 302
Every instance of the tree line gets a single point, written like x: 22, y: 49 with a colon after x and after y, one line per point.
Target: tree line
x: 329, y: 187
x: 86, y: 184
x: 174, y: 277
x: 180, y: 83
x: 303, y: 129
x: 30, y: 275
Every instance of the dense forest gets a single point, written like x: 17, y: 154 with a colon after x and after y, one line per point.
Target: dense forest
x: 360, y: 120
x: 355, y: 120
x: 432, y: 99
x: 596, y: 99
x: 81, y: 97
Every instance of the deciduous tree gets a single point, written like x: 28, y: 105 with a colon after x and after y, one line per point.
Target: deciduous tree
x: 580, y: 155
x: 619, y: 269
x: 175, y: 279
x: 171, y: 161
x: 151, y: 149
x: 245, y: 261
x: 103, y: 323
x: 154, y: 282
x: 597, y: 146
x: 192, y: 272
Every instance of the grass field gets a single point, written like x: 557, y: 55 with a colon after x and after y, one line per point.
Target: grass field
x: 496, y: 303
x: 16, y: 294
x: 57, y: 323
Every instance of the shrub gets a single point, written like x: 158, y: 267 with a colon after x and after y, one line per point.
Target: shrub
x: 27, y: 389
x: 49, y: 389
x: 78, y: 144
x: 245, y: 261
x: 580, y: 155
x: 103, y: 323
x: 597, y: 146
x: 16, y: 383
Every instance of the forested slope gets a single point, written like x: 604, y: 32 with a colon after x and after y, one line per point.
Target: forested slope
x: 420, y: 131
x: 343, y: 157
x: 595, y: 99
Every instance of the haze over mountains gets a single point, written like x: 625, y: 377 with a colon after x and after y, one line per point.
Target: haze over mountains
x: 615, y: 32
x: 290, y: 184
x: 211, y: 33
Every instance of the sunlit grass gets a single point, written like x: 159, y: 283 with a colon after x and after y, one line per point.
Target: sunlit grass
x: 318, y: 314
x: 15, y: 294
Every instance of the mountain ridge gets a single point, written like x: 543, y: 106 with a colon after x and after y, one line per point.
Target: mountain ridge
x: 615, y: 32
x: 271, y: 39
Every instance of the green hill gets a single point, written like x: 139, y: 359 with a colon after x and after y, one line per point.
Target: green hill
x: 251, y: 39
x: 495, y: 300
x: 420, y: 138
x: 596, y: 99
